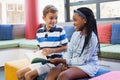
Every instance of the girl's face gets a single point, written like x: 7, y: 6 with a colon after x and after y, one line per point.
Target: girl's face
x: 50, y: 19
x: 79, y: 22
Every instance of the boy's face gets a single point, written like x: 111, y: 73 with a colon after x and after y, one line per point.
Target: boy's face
x: 50, y: 19
x: 79, y: 22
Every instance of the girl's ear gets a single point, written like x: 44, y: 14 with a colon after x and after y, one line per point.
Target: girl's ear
x: 85, y: 20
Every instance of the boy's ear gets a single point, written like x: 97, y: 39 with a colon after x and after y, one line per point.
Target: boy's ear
x: 43, y: 17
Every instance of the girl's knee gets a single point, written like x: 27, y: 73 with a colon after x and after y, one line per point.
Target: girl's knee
x: 64, y: 76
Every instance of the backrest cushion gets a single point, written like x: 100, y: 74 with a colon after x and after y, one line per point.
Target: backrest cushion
x: 69, y: 31
x: 18, y: 31
x: 115, y: 38
x: 6, y: 32
x: 104, y: 33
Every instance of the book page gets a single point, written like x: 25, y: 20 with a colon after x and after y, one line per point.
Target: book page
x: 37, y: 54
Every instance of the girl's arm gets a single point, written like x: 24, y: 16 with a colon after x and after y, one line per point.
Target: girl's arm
x: 90, y: 52
x: 58, y: 61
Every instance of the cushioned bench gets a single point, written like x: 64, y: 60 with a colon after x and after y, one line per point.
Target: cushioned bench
x: 108, y: 35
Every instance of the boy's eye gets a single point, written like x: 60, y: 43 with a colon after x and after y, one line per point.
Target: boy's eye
x: 53, y: 18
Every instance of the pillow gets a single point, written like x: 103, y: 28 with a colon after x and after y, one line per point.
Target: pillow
x: 104, y: 33
x: 6, y: 32
x: 115, y: 38
x: 69, y: 31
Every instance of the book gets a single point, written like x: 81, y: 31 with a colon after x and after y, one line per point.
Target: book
x: 33, y: 55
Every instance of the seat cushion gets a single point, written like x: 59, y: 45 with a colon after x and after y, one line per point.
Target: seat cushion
x: 6, y: 32
x: 104, y: 45
x: 29, y: 44
x: 10, y: 43
x: 111, y: 51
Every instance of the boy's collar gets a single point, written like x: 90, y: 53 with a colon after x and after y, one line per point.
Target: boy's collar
x: 51, y: 30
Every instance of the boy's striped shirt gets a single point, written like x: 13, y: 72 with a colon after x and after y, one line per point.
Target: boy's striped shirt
x: 53, y: 38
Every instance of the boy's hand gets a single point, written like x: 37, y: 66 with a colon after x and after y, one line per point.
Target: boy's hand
x: 47, y: 51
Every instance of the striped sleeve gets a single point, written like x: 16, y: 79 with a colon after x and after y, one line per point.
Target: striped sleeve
x: 63, y: 37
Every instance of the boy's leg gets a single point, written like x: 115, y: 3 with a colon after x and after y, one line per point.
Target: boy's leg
x: 31, y: 75
x: 21, y: 73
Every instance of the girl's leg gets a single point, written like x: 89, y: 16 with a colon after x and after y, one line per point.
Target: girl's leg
x: 72, y: 74
x: 31, y: 75
x: 54, y: 72
x: 21, y: 73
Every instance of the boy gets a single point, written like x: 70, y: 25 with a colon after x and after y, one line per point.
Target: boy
x: 52, y: 41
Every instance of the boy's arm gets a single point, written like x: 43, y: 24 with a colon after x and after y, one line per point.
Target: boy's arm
x: 47, y: 51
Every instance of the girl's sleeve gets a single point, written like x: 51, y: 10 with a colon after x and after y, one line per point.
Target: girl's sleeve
x: 69, y: 53
x: 90, y: 50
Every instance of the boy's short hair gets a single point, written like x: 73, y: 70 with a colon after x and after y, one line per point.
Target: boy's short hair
x: 49, y: 8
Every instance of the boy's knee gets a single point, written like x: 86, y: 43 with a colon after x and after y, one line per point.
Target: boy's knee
x: 19, y: 74
x: 28, y: 76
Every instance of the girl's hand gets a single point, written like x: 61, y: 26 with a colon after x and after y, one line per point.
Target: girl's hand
x: 56, y: 61
x: 64, y: 67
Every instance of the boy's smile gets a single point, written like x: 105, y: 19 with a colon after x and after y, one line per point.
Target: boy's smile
x: 51, y: 20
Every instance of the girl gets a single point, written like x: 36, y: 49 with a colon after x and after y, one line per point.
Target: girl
x: 81, y: 60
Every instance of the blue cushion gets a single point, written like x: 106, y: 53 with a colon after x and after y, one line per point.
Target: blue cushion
x: 6, y: 32
x: 69, y: 31
x: 102, y: 71
x: 115, y: 38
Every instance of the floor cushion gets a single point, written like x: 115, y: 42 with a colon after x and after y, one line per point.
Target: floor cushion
x: 12, y: 66
x: 113, y: 75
